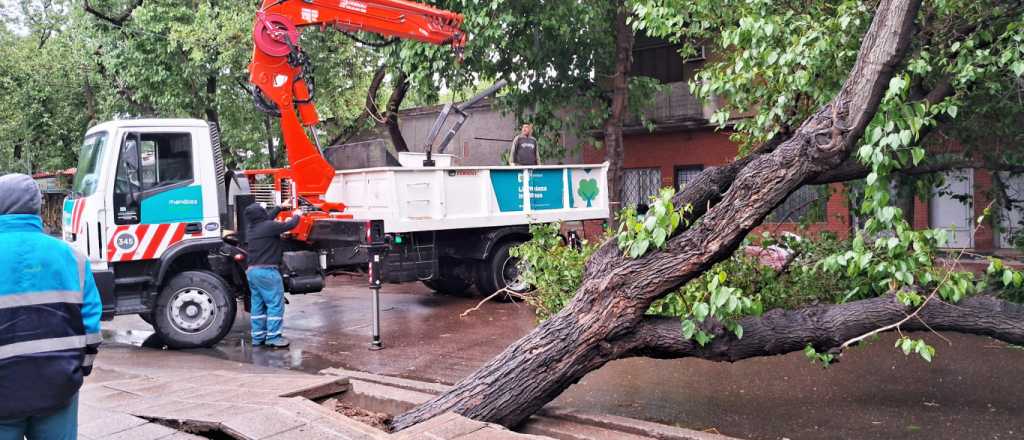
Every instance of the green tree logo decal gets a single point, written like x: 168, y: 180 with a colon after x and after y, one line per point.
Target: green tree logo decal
x: 588, y: 191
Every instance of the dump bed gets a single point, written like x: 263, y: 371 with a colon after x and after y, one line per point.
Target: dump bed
x: 433, y: 198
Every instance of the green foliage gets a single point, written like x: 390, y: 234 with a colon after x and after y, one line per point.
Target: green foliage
x: 801, y: 283
x: 1004, y: 281
x: 636, y: 235
x: 557, y: 56
x: 64, y: 70
x: 554, y: 269
x: 908, y: 345
x: 709, y: 297
x: 825, y: 359
x: 898, y: 263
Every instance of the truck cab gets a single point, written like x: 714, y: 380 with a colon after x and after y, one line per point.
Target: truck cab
x: 155, y: 211
x: 147, y: 207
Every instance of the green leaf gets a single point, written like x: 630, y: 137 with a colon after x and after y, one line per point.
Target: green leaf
x: 905, y: 137
x: 700, y: 311
x: 918, y: 155
x: 906, y: 345
x: 659, y: 237
x: 689, y: 328
x: 702, y: 338
x: 719, y: 297
x: 1018, y: 68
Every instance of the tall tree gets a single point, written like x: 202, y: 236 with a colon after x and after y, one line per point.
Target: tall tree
x: 607, y: 319
x: 614, y: 149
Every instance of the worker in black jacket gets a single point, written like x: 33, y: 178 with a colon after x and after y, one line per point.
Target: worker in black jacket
x: 265, y: 286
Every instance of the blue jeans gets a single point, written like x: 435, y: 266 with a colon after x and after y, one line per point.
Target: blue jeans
x: 266, y: 292
x: 59, y: 425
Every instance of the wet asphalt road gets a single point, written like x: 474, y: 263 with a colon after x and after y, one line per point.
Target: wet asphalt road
x: 974, y: 389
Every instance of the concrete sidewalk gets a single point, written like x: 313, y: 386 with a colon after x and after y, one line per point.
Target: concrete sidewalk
x: 147, y: 394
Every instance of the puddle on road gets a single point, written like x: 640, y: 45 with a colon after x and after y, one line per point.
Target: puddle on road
x: 232, y: 347
x: 138, y: 338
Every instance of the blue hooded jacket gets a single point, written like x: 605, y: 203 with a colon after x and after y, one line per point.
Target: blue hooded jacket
x: 49, y: 309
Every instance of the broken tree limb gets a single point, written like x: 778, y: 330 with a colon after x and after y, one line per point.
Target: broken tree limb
x: 826, y: 327
x: 616, y: 291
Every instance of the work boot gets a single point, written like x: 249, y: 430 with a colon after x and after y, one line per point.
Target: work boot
x: 280, y: 342
x: 257, y: 343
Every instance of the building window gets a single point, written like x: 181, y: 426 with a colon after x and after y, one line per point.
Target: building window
x: 1011, y: 222
x: 805, y: 205
x: 639, y: 184
x: 686, y: 174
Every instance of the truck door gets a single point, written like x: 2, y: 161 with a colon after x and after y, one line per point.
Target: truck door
x: 157, y: 200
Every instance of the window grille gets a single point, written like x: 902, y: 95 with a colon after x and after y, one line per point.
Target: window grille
x: 639, y: 184
x: 806, y: 204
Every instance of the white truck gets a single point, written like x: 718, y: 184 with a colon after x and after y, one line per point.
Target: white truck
x: 157, y: 213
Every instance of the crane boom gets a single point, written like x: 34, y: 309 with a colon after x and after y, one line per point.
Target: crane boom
x: 282, y: 75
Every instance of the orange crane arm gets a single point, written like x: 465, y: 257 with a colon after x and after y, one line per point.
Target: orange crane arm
x: 282, y: 74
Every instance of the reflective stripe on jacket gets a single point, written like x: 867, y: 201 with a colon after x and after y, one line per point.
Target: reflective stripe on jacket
x: 49, y: 319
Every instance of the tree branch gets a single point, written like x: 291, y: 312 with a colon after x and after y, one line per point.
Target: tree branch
x: 369, y: 108
x: 825, y: 327
x: 116, y: 20
x: 394, y: 104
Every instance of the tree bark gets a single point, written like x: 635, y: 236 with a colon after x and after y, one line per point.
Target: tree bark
x: 368, y: 107
x: 825, y: 327
x: 614, y: 149
x: 616, y: 292
x: 394, y: 103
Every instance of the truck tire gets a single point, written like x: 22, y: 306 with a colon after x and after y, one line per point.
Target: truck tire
x: 148, y: 317
x: 194, y: 309
x: 448, y: 286
x: 499, y: 271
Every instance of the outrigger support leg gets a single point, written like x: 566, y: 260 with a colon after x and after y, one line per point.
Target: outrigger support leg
x: 374, y: 268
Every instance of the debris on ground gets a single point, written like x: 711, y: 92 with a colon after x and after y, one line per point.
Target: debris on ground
x: 775, y: 257
x: 374, y: 419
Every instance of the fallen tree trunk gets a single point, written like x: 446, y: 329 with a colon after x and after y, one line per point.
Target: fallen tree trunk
x: 616, y: 291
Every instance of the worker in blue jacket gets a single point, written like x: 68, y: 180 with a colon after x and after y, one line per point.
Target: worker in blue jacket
x: 49, y: 320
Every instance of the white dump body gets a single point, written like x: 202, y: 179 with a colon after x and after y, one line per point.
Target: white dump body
x: 412, y: 199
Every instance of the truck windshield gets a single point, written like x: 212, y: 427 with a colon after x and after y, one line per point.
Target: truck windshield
x: 89, y: 164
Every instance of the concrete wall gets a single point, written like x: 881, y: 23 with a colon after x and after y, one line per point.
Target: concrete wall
x: 485, y: 137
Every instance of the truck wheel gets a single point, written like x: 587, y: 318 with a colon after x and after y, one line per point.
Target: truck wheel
x: 194, y: 309
x: 501, y: 271
x: 148, y: 317
x: 448, y: 286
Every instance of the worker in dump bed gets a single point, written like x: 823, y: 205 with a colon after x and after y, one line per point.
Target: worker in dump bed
x: 524, y: 148
x: 265, y: 286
